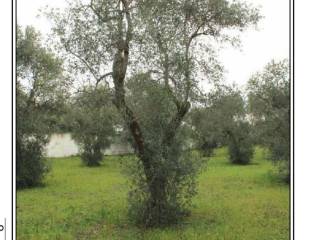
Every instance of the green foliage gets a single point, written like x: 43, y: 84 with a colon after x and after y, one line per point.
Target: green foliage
x: 174, y: 184
x: 163, y: 196
x: 206, y: 136
x: 39, y: 101
x: 30, y: 140
x: 93, y: 120
x: 222, y: 122
x: 233, y: 202
x: 207, y: 148
x: 31, y: 165
x: 240, y: 144
x: 180, y: 39
x: 269, y: 103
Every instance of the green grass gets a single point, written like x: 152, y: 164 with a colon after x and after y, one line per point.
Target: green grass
x: 233, y: 203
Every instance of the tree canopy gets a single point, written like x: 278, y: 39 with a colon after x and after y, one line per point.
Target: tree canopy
x: 93, y: 122
x: 269, y: 103
x: 223, y: 121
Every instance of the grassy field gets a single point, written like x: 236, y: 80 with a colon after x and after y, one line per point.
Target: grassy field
x: 234, y: 203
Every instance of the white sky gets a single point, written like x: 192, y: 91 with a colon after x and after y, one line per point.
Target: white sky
x: 259, y: 46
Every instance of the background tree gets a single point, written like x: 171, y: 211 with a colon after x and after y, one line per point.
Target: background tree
x: 240, y: 142
x: 39, y: 94
x: 93, y: 118
x: 222, y: 121
x: 269, y: 102
x: 166, y: 39
x: 206, y: 134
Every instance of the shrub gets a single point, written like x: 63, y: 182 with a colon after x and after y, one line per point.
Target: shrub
x: 207, y: 148
x: 91, y: 151
x: 284, y: 171
x: 174, y: 185
x: 240, y: 144
x: 93, y: 117
x: 31, y: 165
x: 161, y: 192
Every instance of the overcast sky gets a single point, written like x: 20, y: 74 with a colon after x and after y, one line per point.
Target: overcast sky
x: 259, y: 46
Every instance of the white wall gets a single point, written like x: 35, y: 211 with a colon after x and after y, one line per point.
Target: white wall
x: 62, y: 145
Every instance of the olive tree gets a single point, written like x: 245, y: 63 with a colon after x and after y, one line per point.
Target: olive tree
x: 206, y: 134
x: 240, y: 142
x: 39, y: 94
x: 170, y: 40
x: 93, y: 120
x: 222, y: 121
x: 269, y: 102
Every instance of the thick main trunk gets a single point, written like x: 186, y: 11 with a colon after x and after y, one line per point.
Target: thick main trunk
x: 158, y: 201
x: 119, y: 72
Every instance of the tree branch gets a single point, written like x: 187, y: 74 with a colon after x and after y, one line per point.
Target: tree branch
x: 102, y: 77
x: 83, y: 61
x: 129, y: 21
x: 100, y: 17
